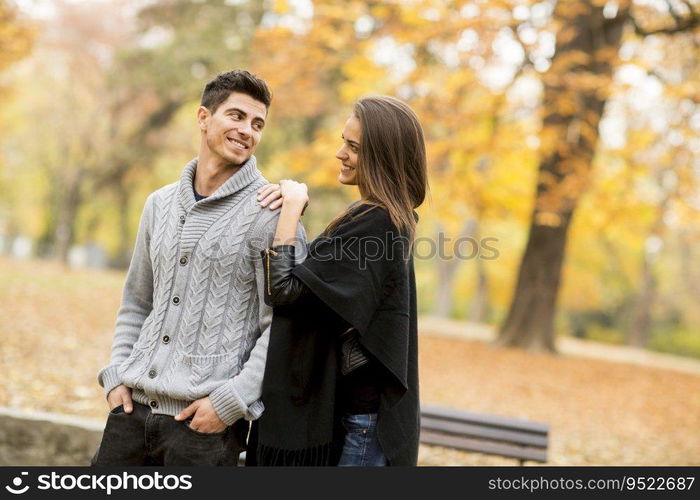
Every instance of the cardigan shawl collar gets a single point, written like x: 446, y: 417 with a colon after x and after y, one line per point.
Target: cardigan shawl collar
x: 244, y: 177
x: 203, y: 213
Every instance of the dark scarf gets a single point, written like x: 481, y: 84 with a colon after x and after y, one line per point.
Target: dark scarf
x: 375, y: 293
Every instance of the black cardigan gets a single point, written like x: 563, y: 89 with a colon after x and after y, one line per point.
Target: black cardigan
x: 359, y: 274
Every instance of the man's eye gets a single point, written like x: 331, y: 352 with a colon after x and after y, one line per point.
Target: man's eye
x: 235, y: 116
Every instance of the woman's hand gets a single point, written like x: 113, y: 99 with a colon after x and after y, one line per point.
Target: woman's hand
x: 273, y: 195
x: 295, y: 197
x: 270, y: 195
x: 294, y: 192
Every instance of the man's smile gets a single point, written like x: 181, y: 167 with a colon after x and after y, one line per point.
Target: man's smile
x: 236, y: 143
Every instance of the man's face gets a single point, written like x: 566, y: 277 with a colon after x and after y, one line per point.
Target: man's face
x: 235, y: 129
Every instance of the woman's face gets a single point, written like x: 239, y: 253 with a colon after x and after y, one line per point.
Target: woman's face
x: 347, y: 154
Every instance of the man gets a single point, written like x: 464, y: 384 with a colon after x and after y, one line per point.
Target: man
x: 192, y: 331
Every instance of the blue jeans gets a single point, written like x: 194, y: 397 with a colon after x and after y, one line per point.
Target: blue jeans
x: 361, y: 447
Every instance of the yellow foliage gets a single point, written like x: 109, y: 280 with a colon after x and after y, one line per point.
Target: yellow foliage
x: 566, y: 35
x: 550, y: 219
x: 281, y: 6
x: 362, y: 77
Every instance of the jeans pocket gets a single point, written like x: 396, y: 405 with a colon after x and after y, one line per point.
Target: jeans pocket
x: 361, y: 446
x: 187, y: 422
x: 360, y: 424
x: 116, y: 410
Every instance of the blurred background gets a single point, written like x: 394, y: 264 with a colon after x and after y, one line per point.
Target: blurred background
x: 557, y: 255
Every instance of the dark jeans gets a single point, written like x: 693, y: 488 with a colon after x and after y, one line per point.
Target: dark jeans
x: 361, y: 447
x: 144, y: 438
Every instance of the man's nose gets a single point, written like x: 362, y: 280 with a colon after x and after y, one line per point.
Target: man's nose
x: 245, y: 129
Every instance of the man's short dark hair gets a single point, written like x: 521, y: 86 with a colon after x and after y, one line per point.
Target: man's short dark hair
x: 238, y: 80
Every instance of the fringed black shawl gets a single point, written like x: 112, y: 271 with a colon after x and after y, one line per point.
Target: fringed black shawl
x: 360, y: 275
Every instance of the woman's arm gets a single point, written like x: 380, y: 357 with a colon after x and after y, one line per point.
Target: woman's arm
x: 281, y: 286
x: 295, y: 197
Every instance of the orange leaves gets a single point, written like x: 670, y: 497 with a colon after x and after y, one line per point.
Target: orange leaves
x: 550, y: 219
x: 15, y: 36
x: 567, y: 34
x: 550, y: 139
x: 565, y: 61
x: 571, y: 9
x: 609, y: 54
x: 280, y: 6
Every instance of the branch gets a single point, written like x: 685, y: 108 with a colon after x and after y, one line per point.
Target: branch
x: 655, y: 74
x: 690, y: 8
x: 681, y: 24
x: 527, y: 61
x: 673, y: 13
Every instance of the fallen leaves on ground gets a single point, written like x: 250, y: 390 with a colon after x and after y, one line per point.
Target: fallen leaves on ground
x: 57, y: 331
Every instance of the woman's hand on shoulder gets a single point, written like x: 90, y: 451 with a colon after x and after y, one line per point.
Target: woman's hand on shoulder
x: 287, y: 191
x: 270, y: 195
x: 294, y: 192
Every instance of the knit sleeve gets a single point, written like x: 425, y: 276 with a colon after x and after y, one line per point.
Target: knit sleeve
x: 136, y: 303
x: 240, y: 396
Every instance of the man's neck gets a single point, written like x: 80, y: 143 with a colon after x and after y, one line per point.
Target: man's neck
x: 211, y: 174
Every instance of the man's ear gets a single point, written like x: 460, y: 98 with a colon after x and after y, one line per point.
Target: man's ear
x: 203, y: 116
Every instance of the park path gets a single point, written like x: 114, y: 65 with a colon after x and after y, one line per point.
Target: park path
x: 441, y: 327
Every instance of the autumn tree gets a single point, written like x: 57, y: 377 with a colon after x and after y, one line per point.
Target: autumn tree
x: 181, y: 44
x: 113, y: 91
x: 589, y: 35
x: 16, y: 37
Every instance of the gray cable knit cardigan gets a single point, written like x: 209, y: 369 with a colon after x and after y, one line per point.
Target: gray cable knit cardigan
x: 192, y: 321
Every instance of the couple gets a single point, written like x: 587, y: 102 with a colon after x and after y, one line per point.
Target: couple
x: 331, y: 377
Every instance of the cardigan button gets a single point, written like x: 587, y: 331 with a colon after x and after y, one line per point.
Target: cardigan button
x: 183, y: 261
x: 166, y: 339
x: 152, y: 374
x: 182, y: 219
x: 153, y: 403
x: 176, y: 300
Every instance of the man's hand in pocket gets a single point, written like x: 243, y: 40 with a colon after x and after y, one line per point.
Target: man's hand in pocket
x: 120, y: 395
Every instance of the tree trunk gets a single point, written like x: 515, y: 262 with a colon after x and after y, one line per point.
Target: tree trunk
x: 446, y: 272
x: 444, y: 298
x: 574, y: 99
x: 639, y: 329
x: 479, y: 310
x: 69, y: 204
x: 530, y: 321
x: 688, y: 277
x: 126, y: 240
x: 447, y: 266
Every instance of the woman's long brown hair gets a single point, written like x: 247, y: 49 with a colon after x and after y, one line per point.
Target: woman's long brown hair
x: 392, y: 166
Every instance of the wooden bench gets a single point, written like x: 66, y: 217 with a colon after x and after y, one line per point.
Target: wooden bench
x: 489, y: 434
x: 477, y: 432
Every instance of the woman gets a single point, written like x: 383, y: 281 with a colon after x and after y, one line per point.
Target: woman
x: 341, y: 379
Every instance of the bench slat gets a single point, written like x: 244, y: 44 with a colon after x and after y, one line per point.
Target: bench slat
x: 484, y: 419
x: 480, y: 431
x: 475, y: 445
